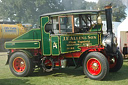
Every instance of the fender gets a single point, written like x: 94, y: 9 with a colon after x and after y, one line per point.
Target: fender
x: 82, y: 56
x: 85, y: 53
x: 29, y: 55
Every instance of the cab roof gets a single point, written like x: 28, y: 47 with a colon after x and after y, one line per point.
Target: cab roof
x: 89, y: 12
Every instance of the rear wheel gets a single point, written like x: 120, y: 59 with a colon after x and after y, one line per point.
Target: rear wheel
x: 96, y: 66
x: 116, y: 62
x: 20, y: 64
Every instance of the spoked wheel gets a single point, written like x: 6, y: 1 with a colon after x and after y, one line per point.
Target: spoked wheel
x: 116, y: 62
x: 20, y: 64
x: 96, y: 66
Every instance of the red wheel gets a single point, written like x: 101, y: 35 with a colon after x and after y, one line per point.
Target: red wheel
x: 19, y: 64
x: 93, y: 66
x: 96, y: 66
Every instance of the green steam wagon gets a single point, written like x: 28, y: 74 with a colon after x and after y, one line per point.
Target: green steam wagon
x: 69, y: 38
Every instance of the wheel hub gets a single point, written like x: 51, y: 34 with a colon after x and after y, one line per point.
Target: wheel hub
x: 94, y: 66
x: 22, y: 64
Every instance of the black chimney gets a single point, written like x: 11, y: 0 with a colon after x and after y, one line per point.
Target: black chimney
x: 108, y: 12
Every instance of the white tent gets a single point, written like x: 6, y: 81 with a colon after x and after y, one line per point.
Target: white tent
x: 122, y: 34
x: 114, y: 26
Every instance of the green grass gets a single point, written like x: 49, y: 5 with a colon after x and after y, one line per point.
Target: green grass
x: 68, y: 76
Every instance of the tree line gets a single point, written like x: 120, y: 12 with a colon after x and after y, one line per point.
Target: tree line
x: 29, y: 11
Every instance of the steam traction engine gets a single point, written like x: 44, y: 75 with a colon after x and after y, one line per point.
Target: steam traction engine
x: 70, y: 38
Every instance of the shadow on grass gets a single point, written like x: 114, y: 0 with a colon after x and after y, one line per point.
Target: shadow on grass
x: 60, y: 72
x: 122, y: 74
x: 14, y: 81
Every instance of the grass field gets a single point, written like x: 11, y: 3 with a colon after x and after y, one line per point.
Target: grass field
x: 68, y: 76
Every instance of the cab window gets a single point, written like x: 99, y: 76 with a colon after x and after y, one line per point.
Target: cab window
x: 52, y: 26
x: 83, y: 23
x: 66, y: 24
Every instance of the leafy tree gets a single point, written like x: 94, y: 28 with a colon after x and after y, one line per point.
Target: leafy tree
x: 118, y: 8
x: 27, y: 11
x: 52, y: 6
x: 72, y: 4
x: 90, y: 6
x: 78, y: 5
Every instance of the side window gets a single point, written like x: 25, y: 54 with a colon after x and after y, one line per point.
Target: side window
x: 55, y: 25
x: 66, y: 24
x: 52, y: 26
x: 82, y: 23
x: 76, y: 22
x: 49, y: 26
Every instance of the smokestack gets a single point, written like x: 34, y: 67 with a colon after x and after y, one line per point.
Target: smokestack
x: 108, y: 12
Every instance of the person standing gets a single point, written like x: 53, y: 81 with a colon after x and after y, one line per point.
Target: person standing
x: 125, y: 50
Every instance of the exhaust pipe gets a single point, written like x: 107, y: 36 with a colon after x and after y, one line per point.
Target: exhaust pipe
x: 108, y: 11
x: 111, y: 46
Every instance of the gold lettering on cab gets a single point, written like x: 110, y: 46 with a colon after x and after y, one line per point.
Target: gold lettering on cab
x: 66, y: 39
x: 70, y: 48
x: 73, y: 38
x: 91, y: 37
x: 72, y: 42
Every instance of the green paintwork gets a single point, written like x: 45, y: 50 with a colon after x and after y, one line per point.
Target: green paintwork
x: 71, y: 43
x: 55, y: 45
x: 45, y: 37
x: 29, y: 40
x: 68, y: 42
x: 22, y: 45
x: 96, y: 28
x: 33, y: 34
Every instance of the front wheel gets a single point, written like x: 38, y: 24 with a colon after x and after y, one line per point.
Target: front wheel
x: 116, y: 62
x: 20, y: 64
x: 96, y: 66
